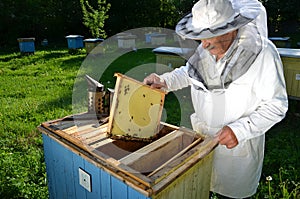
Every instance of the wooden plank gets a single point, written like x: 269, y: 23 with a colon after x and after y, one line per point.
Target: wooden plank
x: 147, y: 149
x: 62, y: 134
x: 133, y: 194
x: 68, y: 173
x: 96, y: 139
x: 136, y: 186
x: 187, y: 160
x: 78, y: 162
x: 194, y: 182
x: 119, y: 189
x: 158, y: 154
x: 157, y: 157
x: 101, y: 143
x: 61, y: 125
x: 49, y: 158
x: 71, y: 130
x: 105, y: 186
x: 90, y: 134
x: 176, y: 156
x: 95, y: 180
x: 135, y: 175
x: 59, y: 167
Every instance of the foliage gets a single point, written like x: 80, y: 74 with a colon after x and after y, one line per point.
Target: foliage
x: 125, y: 15
x: 283, y: 16
x: 94, y: 18
x: 54, y: 19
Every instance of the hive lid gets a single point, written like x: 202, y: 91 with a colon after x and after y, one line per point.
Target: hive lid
x: 136, y: 109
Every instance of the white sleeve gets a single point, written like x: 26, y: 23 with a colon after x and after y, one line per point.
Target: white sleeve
x: 177, y: 79
x: 270, y: 89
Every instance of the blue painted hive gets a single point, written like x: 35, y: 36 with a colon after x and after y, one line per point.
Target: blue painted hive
x: 75, y: 41
x: 26, y: 45
x: 83, y: 161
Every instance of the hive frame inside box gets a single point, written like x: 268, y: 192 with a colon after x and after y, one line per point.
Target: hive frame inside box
x: 136, y: 110
x: 88, y: 141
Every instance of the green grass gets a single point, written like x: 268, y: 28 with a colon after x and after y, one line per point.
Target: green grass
x: 39, y: 87
x: 33, y: 89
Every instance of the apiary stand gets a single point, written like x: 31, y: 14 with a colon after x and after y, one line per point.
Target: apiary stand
x: 82, y: 162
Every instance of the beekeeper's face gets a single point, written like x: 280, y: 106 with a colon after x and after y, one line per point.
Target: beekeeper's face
x: 220, y: 44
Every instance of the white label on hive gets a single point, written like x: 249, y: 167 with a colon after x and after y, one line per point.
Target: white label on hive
x: 297, y: 76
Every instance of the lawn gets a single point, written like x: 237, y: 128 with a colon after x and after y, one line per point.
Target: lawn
x: 39, y: 88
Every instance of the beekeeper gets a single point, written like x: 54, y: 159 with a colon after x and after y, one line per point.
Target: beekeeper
x: 237, y: 88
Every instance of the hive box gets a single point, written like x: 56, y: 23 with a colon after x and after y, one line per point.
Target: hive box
x: 92, y: 46
x: 126, y: 41
x: 291, y: 65
x: 281, y: 42
x: 82, y: 161
x: 75, y: 41
x: 26, y: 45
x: 158, y: 39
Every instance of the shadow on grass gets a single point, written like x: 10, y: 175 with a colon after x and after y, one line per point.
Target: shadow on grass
x: 56, y: 107
x: 73, y: 62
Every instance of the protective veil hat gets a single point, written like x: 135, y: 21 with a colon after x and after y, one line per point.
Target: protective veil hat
x: 211, y: 18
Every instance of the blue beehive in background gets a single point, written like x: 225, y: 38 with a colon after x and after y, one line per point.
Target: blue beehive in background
x: 75, y: 41
x: 26, y: 45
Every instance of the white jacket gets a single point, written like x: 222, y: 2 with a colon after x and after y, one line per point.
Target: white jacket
x: 250, y: 106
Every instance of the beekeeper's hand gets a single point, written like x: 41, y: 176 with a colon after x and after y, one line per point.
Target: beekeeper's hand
x: 155, y: 81
x: 227, y: 137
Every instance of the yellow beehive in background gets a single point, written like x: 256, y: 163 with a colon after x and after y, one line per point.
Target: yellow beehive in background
x: 136, y: 109
x: 291, y: 64
x: 170, y: 57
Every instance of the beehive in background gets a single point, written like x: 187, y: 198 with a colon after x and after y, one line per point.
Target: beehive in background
x: 26, y: 45
x: 92, y: 46
x: 291, y: 65
x: 75, y: 41
x: 136, y: 109
x: 170, y: 57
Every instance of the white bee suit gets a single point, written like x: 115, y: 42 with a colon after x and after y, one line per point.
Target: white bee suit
x: 250, y: 8
x: 250, y: 104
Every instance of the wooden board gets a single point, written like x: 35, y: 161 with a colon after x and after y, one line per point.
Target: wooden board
x: 136, y: 109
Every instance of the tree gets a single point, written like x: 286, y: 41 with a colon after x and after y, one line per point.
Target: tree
x: 94, y: 19
x: 283, y: 16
